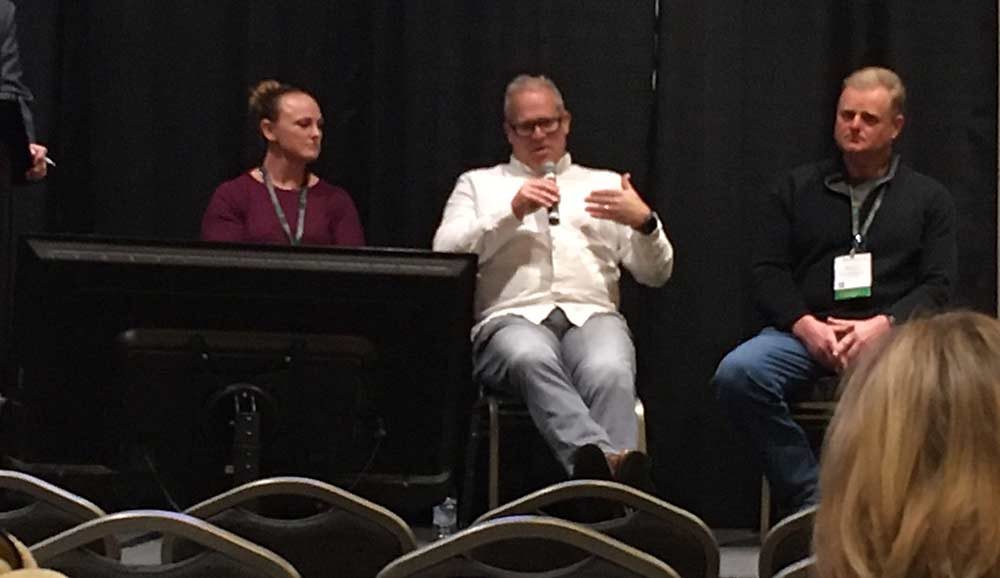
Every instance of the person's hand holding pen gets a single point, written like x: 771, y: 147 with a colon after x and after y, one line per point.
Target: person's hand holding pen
x: 39, y: 162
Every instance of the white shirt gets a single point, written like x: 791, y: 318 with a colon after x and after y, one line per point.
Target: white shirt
x: 527, y: 267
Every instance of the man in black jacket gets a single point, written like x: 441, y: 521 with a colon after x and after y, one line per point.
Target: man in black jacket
x: 13, y: 88
x: 845, y: 249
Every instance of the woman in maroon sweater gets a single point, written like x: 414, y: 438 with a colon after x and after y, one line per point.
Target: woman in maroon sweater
x: 281, y: 202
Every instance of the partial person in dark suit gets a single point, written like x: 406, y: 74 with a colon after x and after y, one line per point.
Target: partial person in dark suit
x: 13, y: 88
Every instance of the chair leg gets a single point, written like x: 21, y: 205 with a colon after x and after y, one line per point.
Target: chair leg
x: 640, y: 415
x: 494, y: 464
x: 765, y: 507
x: 469, y: 489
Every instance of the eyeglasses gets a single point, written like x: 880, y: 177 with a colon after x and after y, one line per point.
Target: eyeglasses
x: 527, y: 128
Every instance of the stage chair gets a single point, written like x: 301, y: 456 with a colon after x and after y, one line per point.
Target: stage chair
x: 498, y: 408
x: 790, y: 541
x: 227, y: 555
x: 649, y: 524
x: 527, y: 546
x: 34, y: 509
x: 812, y: 408
x: 352, y: 535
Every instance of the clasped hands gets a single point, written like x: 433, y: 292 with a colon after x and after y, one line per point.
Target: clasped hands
x: 623, y: 205
x: 835, y: 342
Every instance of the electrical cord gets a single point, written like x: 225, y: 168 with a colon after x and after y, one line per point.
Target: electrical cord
x: 379, y: 435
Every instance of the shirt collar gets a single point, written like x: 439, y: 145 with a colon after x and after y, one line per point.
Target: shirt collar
x: 520, y: 169
x: 838, y: 184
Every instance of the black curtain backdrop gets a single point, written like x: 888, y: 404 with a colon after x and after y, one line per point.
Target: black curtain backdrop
x: 440, y: 69
x: 143, y: 105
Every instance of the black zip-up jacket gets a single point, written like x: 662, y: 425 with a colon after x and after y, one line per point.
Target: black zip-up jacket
x: 803, y: 225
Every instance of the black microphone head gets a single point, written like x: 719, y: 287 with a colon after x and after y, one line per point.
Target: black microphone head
x: 549, y: 169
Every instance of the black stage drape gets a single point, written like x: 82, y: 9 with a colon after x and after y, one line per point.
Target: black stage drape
x: 439, y: 74
x: 143, y: 105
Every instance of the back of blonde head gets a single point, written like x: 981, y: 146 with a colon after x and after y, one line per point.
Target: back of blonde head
x: 910, y: 480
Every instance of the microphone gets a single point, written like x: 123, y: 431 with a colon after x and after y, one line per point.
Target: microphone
x: 549, y: 170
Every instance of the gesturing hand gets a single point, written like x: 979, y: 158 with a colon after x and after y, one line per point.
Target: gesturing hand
x: 623, y: 205
x: 534, y: 194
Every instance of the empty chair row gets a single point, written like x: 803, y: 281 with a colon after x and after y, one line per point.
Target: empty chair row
x: 349, y: 536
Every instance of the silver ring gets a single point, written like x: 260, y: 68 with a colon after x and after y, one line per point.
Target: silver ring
x: 605, y: 207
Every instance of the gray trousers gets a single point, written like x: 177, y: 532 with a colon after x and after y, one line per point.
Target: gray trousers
x: 577, y: 382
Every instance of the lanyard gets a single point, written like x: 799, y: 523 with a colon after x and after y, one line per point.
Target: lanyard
x: 299, y: 227
x: 858, y: 234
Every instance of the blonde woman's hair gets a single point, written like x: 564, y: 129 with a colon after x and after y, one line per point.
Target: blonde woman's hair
x: 265, y: 96
x: 910, y: 479
x: 875, y: 77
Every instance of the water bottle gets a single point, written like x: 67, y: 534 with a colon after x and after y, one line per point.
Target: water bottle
x: 445, y: 518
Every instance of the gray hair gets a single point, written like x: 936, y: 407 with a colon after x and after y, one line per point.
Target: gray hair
x: 876, y: 76
x: 526, y: 82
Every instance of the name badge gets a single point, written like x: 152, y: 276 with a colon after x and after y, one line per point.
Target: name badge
x: 852, y: 276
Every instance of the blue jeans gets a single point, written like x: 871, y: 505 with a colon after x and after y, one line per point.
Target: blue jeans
x: 753, y: 381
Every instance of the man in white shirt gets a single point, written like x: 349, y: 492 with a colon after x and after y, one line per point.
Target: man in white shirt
x: 547, y: 322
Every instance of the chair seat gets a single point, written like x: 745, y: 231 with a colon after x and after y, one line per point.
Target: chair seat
x: 500, y: 415
x: 824, y: 389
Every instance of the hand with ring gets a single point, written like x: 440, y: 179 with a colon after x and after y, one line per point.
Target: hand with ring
x: 623, y: 205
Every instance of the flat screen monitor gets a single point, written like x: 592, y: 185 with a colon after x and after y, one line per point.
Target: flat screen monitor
x: 353, y: 365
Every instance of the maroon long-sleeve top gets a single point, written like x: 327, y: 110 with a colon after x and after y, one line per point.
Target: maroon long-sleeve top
x: 241, y: 212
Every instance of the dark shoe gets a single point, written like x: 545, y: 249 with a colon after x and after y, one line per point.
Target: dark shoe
x: 634, y: 470
x: 589, y: 463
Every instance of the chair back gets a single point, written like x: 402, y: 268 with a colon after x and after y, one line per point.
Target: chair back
x: 354, y: 536
x: 229, y: 556
x: 800, y: 569
x: 649, y: 524
x: 532, y: 540
x: 33, y: 509
x: 788, y: 542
